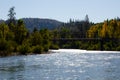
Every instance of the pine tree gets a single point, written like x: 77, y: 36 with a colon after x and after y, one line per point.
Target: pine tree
x: 11, y: 19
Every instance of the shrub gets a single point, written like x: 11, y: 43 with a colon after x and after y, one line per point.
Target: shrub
x: 37, y: 49
x: 12, y: 46
x: 66, y: 46
x: 46, y: 48
x: 6, y: 47
x: 106, y: 47
x: 76, y: 44
x: 53, y: 46
x: 118, y: 48
x: 3, y: 45
x: 24, y: 49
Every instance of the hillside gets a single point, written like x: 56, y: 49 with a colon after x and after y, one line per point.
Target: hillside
x: 1, y: 21
x: 31, y: 23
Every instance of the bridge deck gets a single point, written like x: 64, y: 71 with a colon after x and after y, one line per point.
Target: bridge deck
x: 101, y: 40
x: 86, y: 39
x: 75, y: 39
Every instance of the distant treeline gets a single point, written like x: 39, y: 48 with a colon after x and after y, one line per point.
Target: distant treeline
x: 108, y: 31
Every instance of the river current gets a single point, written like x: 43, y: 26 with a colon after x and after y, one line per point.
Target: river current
x: 63, y: 64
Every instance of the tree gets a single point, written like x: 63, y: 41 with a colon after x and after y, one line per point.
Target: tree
x: 113, y: 29
x: 36, y: 39
x: 46, y: 39
x: 4, y: 30
x: 104, y: 30
x: 86, y: 25
x: 35, y: 29
x: 20, y: 32
x: 11, y: 16
x: 118, y: 30
x: 95, y: 31
x: 65, y: 33
x: 87, y: 18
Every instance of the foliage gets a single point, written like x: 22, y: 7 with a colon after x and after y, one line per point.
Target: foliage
x: 6, y: 48
x: 3, y: 45
x: 12, y: 13
x: 36, y: 39
x: 24, y: 49
x: 16, y: 38
x: 46, y: 48
x: 4, y: 30
x: 20, y: 32
x: 54, y: 46
x: 109, y: 29
x: 37, y: 49
x: 11, y: 21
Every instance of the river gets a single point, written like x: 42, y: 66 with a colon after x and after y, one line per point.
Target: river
x: 63, y: 64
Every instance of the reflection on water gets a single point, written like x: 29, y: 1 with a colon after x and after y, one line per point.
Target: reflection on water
x: 62, y: 65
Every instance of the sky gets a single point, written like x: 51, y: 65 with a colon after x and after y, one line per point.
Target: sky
x: 62, y: 10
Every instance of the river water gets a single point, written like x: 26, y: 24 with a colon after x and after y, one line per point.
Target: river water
x: 63, y: 64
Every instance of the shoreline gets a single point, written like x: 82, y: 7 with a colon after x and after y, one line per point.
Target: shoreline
x: 61, y: 50
x: 83, y: 51
x: 18, y: 54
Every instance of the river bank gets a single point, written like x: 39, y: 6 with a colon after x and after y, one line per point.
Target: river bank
x: 83, y: 51
x: 59, y: 50
x: 19, y: 54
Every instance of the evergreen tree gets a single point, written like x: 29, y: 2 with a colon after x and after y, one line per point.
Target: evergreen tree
x: 87, y: 18
x: 11, y: 15
x: 20, y: 32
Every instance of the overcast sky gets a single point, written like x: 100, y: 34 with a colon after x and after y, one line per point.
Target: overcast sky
x: 62, y: 10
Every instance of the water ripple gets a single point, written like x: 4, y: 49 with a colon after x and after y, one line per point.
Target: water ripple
x: 62, y: 65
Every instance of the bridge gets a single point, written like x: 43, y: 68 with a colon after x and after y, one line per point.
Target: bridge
x: 76, y: 39
x: 101, y: 40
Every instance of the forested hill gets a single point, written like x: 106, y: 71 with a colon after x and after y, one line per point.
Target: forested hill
x: 1, y: 21
x: 38, y: 23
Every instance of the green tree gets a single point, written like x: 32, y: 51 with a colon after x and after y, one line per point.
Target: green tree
x: 45, y: 36
x: 20, y: 32
x: 54, y: 34
x: 65, y: 33
x: 11, y: 16
x: 36, y: 38
x: 46, y: 39
x: 4, y: 30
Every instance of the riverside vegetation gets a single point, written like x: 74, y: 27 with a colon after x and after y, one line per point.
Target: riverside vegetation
x: 16, y: 39
x: 108, y: 31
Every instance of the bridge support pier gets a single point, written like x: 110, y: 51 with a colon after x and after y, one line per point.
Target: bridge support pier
x: 101, y: 44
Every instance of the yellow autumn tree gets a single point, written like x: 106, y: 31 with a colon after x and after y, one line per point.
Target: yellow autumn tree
x: 112, y: 29
x: 94, y: 31
x: 104, y: 30
x: 118, y: 30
